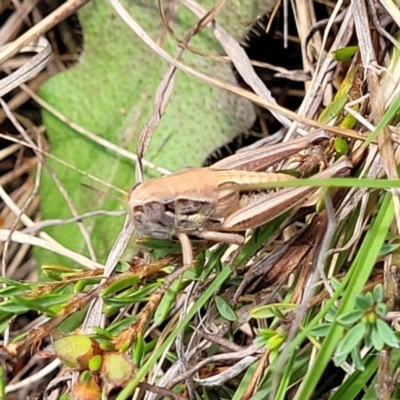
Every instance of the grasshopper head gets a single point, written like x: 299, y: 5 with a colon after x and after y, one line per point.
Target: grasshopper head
x: 150, y: 216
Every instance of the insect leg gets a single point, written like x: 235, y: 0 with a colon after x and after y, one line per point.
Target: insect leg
x: 187, y: 253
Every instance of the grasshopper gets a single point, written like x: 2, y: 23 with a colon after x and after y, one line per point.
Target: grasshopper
x: 209, y: 202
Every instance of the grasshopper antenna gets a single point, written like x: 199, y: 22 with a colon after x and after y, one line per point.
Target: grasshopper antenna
x: 113, y: 196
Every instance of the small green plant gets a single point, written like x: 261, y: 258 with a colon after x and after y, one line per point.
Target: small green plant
x: 366, y: 325
x: 273, y: 340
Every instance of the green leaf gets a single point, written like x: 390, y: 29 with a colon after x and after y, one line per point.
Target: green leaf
x: 376, y: 339
x: 331, y: 314
x: 339, y: 359
x: 275, y: 342
x: 43, y: 303
x: 121, y: 325
x: 102, y: 333
x: 225, y: 309
x: 369, y: 298
x: 345, y: 53
x: 335, y: 283
x: 13, y: 291
x: 356, y: 357
x: 351, y: 317
x: 320, y: 330
x: 137, y: 296
x: 10, y: 282
x: 378, y: 293
x: 120, y: 284
x: 388, y: 249
x: 57, y: 269
x: 95, y: 363
x: 271, y: 310
x: 111, y: 92
x: 386, y: 333
x: 381, y: 309
x: 336, y: 106
x: 267, y: 333
x: 167, y: 301
x: 362, y: 302
x: 353, y: 337
x: 139, y: 350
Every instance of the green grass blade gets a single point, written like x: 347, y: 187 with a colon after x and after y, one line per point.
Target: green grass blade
x: 358, y: 275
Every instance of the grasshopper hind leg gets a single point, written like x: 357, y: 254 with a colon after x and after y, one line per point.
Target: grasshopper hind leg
x: 187, y: 252
x: 230, y: 238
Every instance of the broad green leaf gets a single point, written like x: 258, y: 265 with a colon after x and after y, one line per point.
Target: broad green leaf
x: 376, y: 338
x: 352, y: 339
x: 351, y: 317
x: 362, y: 302
x: 331, y: 314
x: 387, y: 334
x: 266, y: 332
x: 378, y: 293
x: 225, y: 309
x: 381, y: 309
x: 388, y: 249
x: 320, y: 330
x: 111, y: 92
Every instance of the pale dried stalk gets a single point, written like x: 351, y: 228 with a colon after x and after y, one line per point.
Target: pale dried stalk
x: 224, y: 85
x: 62, y: 12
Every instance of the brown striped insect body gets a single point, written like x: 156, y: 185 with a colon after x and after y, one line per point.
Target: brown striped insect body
x: 206, y: 202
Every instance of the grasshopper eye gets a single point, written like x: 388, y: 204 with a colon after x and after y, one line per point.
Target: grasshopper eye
x: 138, y: 209
x: 154, y: 210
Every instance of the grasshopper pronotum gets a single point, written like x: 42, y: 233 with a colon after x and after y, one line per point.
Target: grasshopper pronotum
x: 206, y: 202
